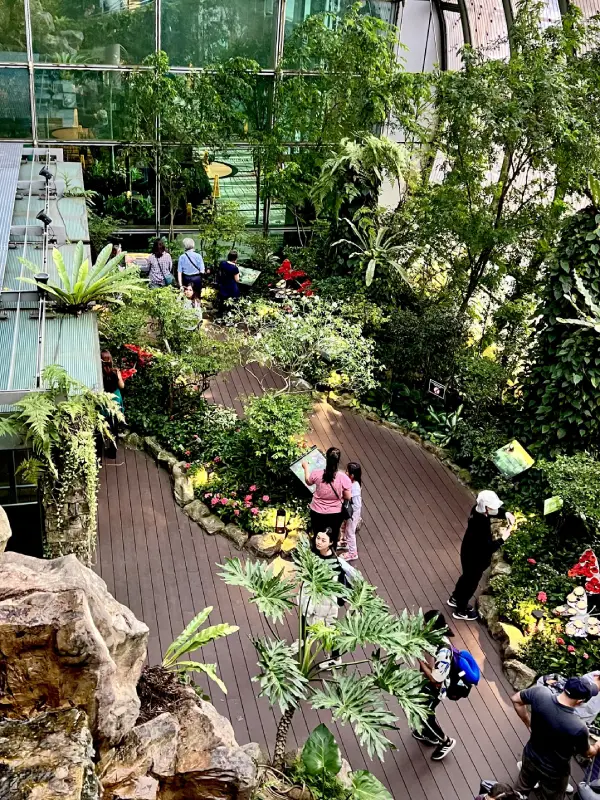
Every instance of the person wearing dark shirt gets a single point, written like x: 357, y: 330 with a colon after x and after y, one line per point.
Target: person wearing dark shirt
x: 476, y: 551
x: 557, y: 734
x: 229, y: 278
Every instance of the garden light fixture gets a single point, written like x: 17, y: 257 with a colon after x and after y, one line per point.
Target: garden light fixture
x: 45, y: 173
x: 43, y: 217
x: 280, y: 521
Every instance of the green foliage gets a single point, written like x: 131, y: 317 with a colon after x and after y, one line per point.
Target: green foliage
x: 560, y: 393
x: 60, y: 425
x: 101, y: 227
x: 104, y: 282
x: 480, y: 382
x: 546, y: 656
x: 288, y: 672
x: 191, y: 639
x: 308, y: 338
x: 373, y: 247
x: 320, y: 754
x: 577, y: 480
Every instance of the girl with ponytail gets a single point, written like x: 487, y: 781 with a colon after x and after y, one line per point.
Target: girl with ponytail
x: 332, y: 487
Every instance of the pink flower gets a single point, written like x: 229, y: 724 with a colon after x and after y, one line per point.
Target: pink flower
x: 559, y: 640
x: 254, y: 511
x: 188, y: 452
x: 236, y: 511
x: 265, y: 498
x: 224, y: 501
x: 247, y: 503
x: 248, y: 498
x: 570, y: 649
x: 542, y: 597
x: 585, y: 655
x: 207, y: 494
x: 188, y: 465
x: 196, y: 436
x: 253, y: 488
x: 217, y: 459
x: 214, y: 501
x: 531, y: 561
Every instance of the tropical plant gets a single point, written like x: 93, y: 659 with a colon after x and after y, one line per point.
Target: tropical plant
x: 290, y: 672
x: 560, y: 384
x: 320, y: 764
x: 445, y: 423
x: 307, y: 338
x: 190, y: 639
x: 104, y: 282
x: 374, y: 247
x: 60, y: 425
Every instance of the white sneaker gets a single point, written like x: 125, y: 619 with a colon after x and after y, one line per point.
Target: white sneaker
x: 330, y: 663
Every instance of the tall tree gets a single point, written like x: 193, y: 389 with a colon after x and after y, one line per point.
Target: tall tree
x: 510, y: 143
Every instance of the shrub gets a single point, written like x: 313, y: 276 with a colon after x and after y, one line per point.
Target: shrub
x: 573, y: 656
x: 577, y: 480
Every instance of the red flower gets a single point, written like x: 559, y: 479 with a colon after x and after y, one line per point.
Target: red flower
x: 188, y: 452
x: 531, y: 561
x: 143, y: 355
x: 559, y: 640
x: 188, y: 465
x: 217, y: 459
x: 127, y: 373
x: 585, y: 655
x: 542, y: 597
x: 570, y: 649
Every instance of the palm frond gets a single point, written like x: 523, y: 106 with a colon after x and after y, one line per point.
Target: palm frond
x: 280, y: 678
x: 403, y: 683
x: 272, y: 594
x: 355, y: 699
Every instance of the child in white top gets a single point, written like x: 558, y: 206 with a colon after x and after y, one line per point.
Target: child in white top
x: 354, y: 472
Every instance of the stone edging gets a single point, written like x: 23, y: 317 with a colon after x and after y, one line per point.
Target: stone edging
x: 518, y: 674
x: 183, y: 490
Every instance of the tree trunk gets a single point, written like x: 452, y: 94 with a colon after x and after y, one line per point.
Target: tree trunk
x: 283, y: 728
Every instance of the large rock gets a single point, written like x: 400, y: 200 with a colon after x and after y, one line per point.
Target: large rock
x: 235, y: 534
x: 48, y: 757
x: 183, y: 488
x: 196, y: 510
x: 488, y: 611
x: 65, y: 641
x: 5, y: 531
x: 145, y: 788
x: 519, y: 675
x: 265, y: 545
x: 499, y: 566
x: 211, y: 524
x: 148, y: 748
x: 225, y: 773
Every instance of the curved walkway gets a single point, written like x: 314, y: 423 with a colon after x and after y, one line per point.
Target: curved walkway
x: 158, y: 562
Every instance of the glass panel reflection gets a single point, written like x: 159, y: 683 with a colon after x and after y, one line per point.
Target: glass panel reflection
x: 201, y: 32
x: 296, y: 11
x: 15, y: 109
x: 12, y: 31
x: 74, y: 105
x: 93, y: 31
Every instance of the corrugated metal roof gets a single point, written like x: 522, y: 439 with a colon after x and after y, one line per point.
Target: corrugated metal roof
x: 10, y: 162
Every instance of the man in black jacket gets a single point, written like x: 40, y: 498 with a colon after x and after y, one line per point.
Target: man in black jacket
x: 476, y: 551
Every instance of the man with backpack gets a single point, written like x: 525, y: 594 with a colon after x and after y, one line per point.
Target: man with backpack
x: 452, y: 675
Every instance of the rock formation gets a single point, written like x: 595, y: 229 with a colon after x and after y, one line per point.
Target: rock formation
x: 66, y: 641
x: 70, y: 662
x: 5, y: 531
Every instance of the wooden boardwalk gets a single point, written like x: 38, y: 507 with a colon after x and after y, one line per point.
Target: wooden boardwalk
x: 159, y: 563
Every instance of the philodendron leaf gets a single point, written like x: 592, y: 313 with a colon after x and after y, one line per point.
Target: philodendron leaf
x: 321, y: 753
x: 366, y: 787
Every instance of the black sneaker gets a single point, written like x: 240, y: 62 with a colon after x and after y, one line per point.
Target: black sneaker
x: 470, y: 615
x: 442, y: 751
x: 451, y: 602
x: 424, y: 740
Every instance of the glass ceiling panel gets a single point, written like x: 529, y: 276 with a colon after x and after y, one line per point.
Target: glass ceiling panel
x: 488, y: 27
x: 455, y: 39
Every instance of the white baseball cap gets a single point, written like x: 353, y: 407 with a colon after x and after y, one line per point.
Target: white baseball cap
x: 488, y: 499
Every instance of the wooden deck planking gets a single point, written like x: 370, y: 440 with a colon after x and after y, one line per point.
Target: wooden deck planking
x: 157, y: 561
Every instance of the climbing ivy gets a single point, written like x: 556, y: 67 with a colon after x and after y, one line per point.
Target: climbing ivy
x: 561, y: 397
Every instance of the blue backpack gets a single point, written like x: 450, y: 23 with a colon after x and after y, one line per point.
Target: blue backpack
x: 464, y: 674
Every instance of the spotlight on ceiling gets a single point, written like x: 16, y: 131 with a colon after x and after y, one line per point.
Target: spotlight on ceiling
x: 43, y: 217
x: 45, y: 173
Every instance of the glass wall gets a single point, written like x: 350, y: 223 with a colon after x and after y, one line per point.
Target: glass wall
x: 15, y: 108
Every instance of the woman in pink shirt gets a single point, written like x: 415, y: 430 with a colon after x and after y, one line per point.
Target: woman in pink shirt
x: 332, y: 487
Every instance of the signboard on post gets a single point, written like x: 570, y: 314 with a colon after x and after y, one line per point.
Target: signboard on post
x: 512, y: 459
x: 437, y: 389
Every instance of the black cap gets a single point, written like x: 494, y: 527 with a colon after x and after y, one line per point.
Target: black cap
x: 580, y: 689
x: 440, y: 623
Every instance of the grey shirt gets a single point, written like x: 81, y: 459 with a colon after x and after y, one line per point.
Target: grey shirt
x: 557, y: 733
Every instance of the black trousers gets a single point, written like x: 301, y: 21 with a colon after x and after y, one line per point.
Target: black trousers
x: 467, y: 584
x: 534, y: 782
x: 193, y: 280
x: 431, y: 727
